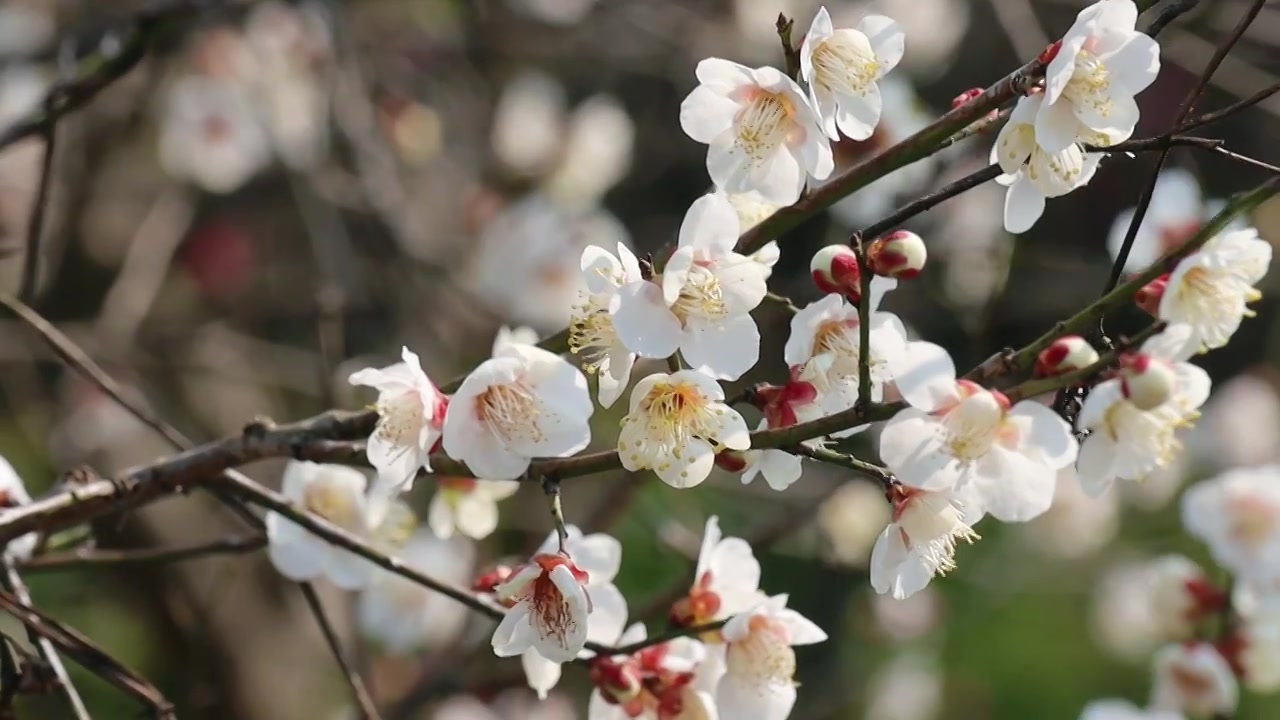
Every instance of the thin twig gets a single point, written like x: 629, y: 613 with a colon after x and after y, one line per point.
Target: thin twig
x: 1039, y: 386
x: 148, y: 556
x: 789, y: 53
x: 831, y: 457
x: 368, y: 710
x: 13, y: 581
x: 864, y: 321
x: 1171, y: 12
x: 35, y: 227
x: 1231, y: 109
x: 782, y: 301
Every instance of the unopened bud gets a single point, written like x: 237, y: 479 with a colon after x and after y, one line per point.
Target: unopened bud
x: 618, y: 682
x: 966, y: 96
x: 1147, y: 383
x: 490, y: 580
x: 731, y: 460
x: 1068, y: 353
x: 1050, y: 52
x: 779, y: 402
x: 900, y: 254
x: 1149, y: 296
x: 835, y: 270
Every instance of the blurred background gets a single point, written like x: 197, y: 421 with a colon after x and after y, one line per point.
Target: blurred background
x: 281, y: 194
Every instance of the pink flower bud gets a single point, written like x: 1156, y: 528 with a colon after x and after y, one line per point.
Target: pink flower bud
x: 619, y: 682
x: 1050, y: 52
x: 1148, y: 298
x: 900, y: 254
x: 731, y: 460
x: 835, y: 270
x: 1068, y: 353
x: 779, y: 402
x: 966, y: 96
x: 1147, y: 382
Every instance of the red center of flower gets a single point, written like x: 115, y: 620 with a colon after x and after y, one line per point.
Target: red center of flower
x: 778, y: 402
x: 457, y: 484
x: 699, y: 606
x: 550, y: 606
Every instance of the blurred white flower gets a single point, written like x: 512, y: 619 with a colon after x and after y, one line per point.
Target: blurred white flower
x: 592, y: 335
x: 209, y: 134
x: 1176, y: 212
x: 841, y: 67
x: 527, y: 122
x: 1210, y: 289
x: 1237, y: 514
x: 1241, y: 424
x: 24, y: 28
x: 762, y: 132
x: 908, y: 687
x: 1076, y: 525
x: 1193, y: 678
x: 1033, y: 173
x: 701, y: 304
x: 596, y: 153
x: 1258, y: 646
x: 1126, y: 442
x: 523, y: 403
x: 1124, y: 710
x: 464, y: 707
x: 467, y: 506
x: 760, y: 664
x: 851, y: 520
x: 411, y: 413
x: 909, y: 618
x: 676, y: 425
x: 1120, y: 613
x: 332, y: 492
x: 1181, y: 595
x: 518, y: 704
x: 1092, y: 79
x: 402, y: 615
x: 13, y: 493
x: 525, y: 264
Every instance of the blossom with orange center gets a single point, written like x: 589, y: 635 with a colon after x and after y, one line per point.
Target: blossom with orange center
x: 549, y: 608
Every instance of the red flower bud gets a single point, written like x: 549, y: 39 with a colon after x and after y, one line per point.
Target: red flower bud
x: 835, y: 270
x: 1148, y: 298
x: 1050, y: 52
x: 900, y: 254
x: 1068, y: 353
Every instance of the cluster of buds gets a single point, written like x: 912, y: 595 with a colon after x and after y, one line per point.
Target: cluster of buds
x: 644, y: 683
x: 1066, y: 354
x: 900, y: 254
x: 1147, y: 382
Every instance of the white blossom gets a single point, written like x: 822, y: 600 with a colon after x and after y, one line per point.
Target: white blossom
x: 1033, y: 173
x: 400, y: 614
x: 1237, y: 514
x: 762, y: 132
x: 1124, y: 710
x: 726, y: 581
x: 841, y: 67
x: 1193, y: 678
x: 336, y: 494
x: 921, y: 540
x: 521, y: 404
x: 676, y: 425
x: 592, y: 335
x: 779, y: 468
x: 752, y: 209
x: 701, y: 305
x: 1076, y: 524
x: 1181, y: 594
x: 411, y: 414
x: 1126, y: 442
x: 1091, y: 82
x: 653, y: 684
x: 760, y: 664
x: 1259, y: 656
x: 548, y: 610
x: 467, y: 506
x: 1210, y: 289
x: 957, y: 434
x: 210, y: 135
x: 1177, y: 210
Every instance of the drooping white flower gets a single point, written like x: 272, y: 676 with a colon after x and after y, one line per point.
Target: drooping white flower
x: 726, y: 581
x: 825, y: 342
x: 467, y: 506
x: 957, y: 434
x: 1127, y: 442
x: 1124, y: 710
x: 548, y: 610
x: 13, y: 493
x: 779, y: 468
x: 1195, y: 679
x: 400, y: 614
x: 332, y: 492
x: 592, y: 335
x: 701, y: 305
x: 599, y: 556
x: 523, y: 403
x: 1092, y: 79
x: 676, y: 425
x: 760, y: 664
x: 209, y: 135
x: 1210, y: 289
x: 763, y: 134
x: 1033, y: 173
x: 841, y: 67
x: 411, y: 413
x: 921, y: 540
x: 1237, y: 514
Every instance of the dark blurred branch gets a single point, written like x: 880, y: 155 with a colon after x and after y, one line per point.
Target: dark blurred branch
x: 96, y: 558
x: 35, y: 227
x: 14, y: 584
x: 1171, y: 12
x: 89, y: 656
